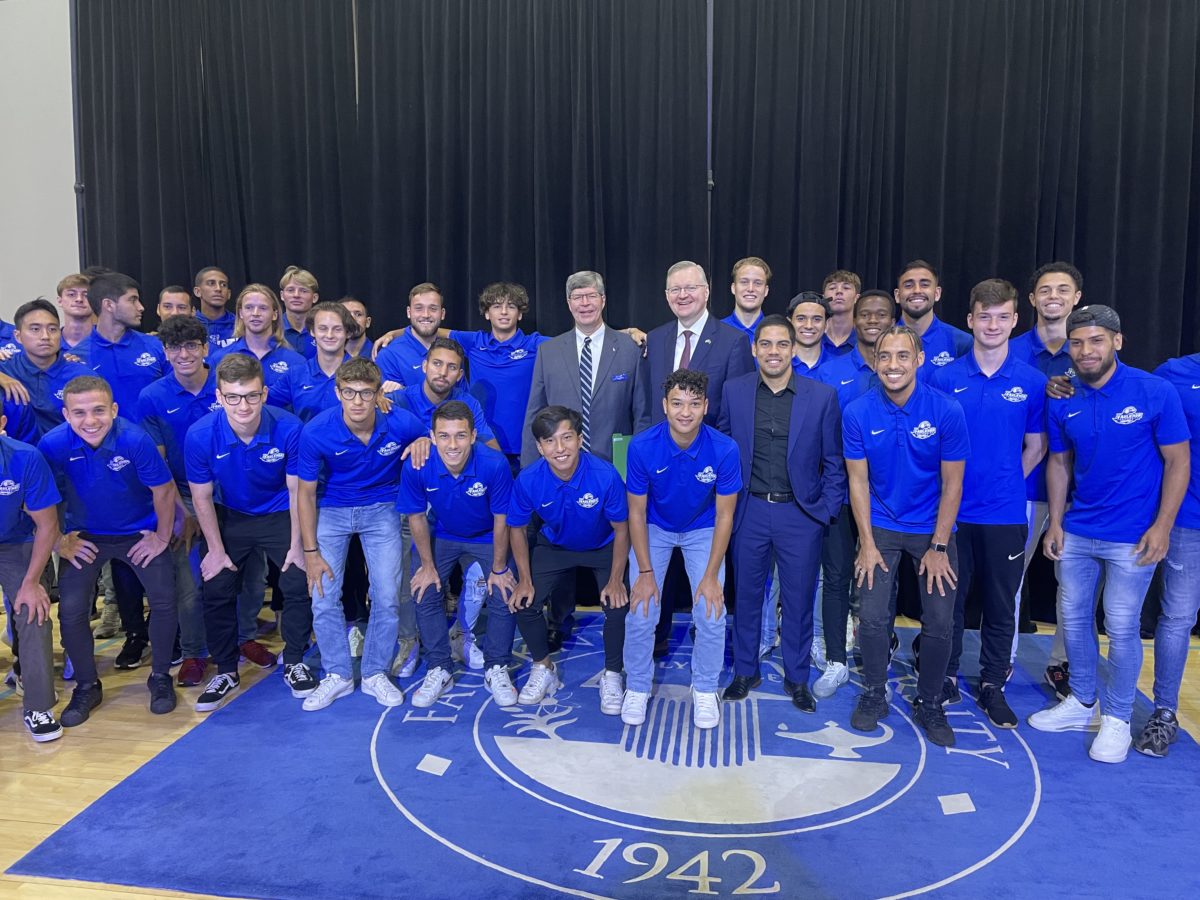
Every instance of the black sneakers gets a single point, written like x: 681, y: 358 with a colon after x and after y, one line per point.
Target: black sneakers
x: 84, y: 699
x: 300, y: 679
x: 42, y: 726
x: 133, y: 653
x: 1162, y: 728
x: 162, y: 693
x: 218, y: 692
x: 950, y: 692
x: 870, y: 708
x: 932, y: 718
x: 993, y: 702
x: 1058, y: 677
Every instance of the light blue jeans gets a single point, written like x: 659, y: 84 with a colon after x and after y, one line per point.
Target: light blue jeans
x: 1180, y: 603
x: 1085, y: 561
x: 708, y: 653
x: 770, y: 619
x: 378, y: 527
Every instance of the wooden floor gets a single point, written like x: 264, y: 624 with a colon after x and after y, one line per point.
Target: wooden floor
x: 42, y: 786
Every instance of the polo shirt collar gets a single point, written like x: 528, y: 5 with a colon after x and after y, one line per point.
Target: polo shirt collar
x: 914, y: 399
x: 468, y: 469
x: 1112, y: 385
x: 860, y: 361
x: 1005, y: 370
x: 345, y: 436
x: 261, y: 435
x: 109, y: 442
x: 125, y: 341
x: 694, y: 450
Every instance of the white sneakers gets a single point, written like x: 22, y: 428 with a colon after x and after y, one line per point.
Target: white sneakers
x: 612, y: 691
x: 435, y: 684
x: 835, y: 675
x: 500, y: 684
x: 1112, y: 743
x: 471, y: 652
x: 356, y: 639
x: 1069, y: 715
x: 706, y: 709
x: 633, y: 707
x: 819, y: 659
x: 542, y: 682
x: 382, y: 689
x: 406, y: 659
x: 331, y: 688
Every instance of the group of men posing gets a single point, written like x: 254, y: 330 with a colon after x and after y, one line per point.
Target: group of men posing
x: 818, y: 451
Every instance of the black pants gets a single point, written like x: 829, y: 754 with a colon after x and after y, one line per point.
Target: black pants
x: 875, y: 613
x: 554, y: 569
x: 31, y: 642
x: 837, y: 568
x: 78, y: 587
x: 992, y: 557
x: 355, y: 584
x: 243, y: 535
x: 130, y: 599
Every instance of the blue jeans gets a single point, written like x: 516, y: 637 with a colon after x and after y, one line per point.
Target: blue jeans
x: 378, y: 527
x: 1180, y: 602
x: 708, y: 654
x: 431, y: 612
x: 1084, y: 562
x: 187, y: 596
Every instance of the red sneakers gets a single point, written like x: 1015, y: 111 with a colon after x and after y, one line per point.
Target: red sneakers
x: 258, y: 654
x: 191, y: 672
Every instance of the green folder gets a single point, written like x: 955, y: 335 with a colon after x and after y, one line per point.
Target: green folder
x: 620, y: 452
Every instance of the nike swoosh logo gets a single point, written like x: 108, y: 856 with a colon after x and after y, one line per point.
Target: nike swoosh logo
x: 1015, y: 555
x: 307, y: 387
x: 340, y: 452
x: 417, y: 366
x: 430, y: 490
x: 74, y: 458
x: 1196, y: 387
x: 959, y: 390
x: 173, y: 411
x: 1072, y: 415
x: 851, y: 381
x: 880, y: 431
x: 222, y: 455
x: 544, y: 505
x: 660, y: 471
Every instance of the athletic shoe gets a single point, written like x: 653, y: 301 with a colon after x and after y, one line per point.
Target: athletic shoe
x: 68, y: 669
x: 13, y: 680
x: 932, y: 719
x: 993, y: 702
x: 633, y: 707
x: 300, y: 679
x: 407, y: 658
x: 331, y: 688
x: 1162, y: 728
x: 706, y: 709
x: 84, y: 699
x: 381, y: 688
x: 472, y: 654
x: 219, y: 692
x: 835, y: 675
x: 870, y: 708
x: 42, y: 726
x: 542, y: 681
x: 435, y: 684
x: 1058, y: 677
x: 162, y: 693
x: 894, y: 645
x: 356, y: 638
x: 253, y: 651
x: 132, y: 655
x: 109, y: 624
x: 950, y: 692
x: 612, y: 692
x: 819, y: 660
x: 497, y: 680
x: 1067, y: 715
x: 191, y: 673
x: 176, y: 652
x: 1112, y: 743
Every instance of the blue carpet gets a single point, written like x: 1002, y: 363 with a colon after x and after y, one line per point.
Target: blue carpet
x: 467, y: 800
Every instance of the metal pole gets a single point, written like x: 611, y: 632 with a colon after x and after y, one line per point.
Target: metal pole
x: 80, y: 195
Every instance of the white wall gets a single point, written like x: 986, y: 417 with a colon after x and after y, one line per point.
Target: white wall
x: 38, y: 237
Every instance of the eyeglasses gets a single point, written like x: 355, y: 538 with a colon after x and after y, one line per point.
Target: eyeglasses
x: 349, y: 393
x: 252, y: 399
x: 685, y: 289
x: 189, y: 346
x: 580, y: 298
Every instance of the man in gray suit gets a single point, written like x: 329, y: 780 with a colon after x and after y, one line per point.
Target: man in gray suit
x: 591, y: 368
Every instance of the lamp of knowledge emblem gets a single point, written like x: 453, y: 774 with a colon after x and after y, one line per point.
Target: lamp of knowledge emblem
x: 770, y: 801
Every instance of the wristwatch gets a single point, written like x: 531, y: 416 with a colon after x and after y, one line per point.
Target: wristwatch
x: 937, y: 548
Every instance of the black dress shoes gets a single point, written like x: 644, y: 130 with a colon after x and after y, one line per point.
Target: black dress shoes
x: 741, y: 686
x: 802, y: 697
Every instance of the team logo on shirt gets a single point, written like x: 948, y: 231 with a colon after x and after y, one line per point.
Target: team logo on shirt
x: 214, y: 406
x: 1070, y: 373
x: 478, y: 489
x: 10, y: 347
x: 58, y: 395
x: 588, y: 500
x: 518, y: 354
x: 281, y: 367
x: 8, y: 487
x: 145, y: 359
x: 1015, y: 395
x: 942, y: 359
x: 273, y: 455
x: 389, y: 448
x: 707, y: 475
x: 1128, y: 416
x: 117, y: 463
x: 924, y: 431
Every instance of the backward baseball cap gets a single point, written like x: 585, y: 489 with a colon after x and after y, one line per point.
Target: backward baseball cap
x: 1095, y: 314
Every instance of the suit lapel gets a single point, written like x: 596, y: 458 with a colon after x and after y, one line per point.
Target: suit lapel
x: 799, y: 405
x: 704, y: 342
x: 570, y: 366
x: 744, y: 423
x: 604, y: 360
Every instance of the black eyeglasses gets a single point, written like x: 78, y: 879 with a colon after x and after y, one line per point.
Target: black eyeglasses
x: 348, y: 393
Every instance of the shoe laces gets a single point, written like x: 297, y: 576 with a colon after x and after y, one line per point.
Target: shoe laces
x: 297, y: 672
x: 221, y: 683
x: 705, y: 701
x: 328, y: 685
x: 1158, y: 729
x: 433, y: 679
x: 39, y: 718
x: 934, y: 714
x: 610, y: 684
x: 498, y: 676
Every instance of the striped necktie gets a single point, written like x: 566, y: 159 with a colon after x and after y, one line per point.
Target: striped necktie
x: 585, y: 390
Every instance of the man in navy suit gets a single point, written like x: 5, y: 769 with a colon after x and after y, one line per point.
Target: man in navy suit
x: 788, y: 432
x: 694, y: 340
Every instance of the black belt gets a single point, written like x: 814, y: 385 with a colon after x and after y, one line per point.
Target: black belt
x: 775, y: 497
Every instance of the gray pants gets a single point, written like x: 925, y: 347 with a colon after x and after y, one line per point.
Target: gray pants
x: 33, y: 641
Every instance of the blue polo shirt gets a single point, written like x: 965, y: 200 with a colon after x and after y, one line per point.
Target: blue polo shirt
x: 460, y: 507
x: 107, y: 489
x: 802, y: 368
x: 220, y: 331
x: 842, y: 349
x: 248, y: 477
x: 1000, y: 411
x: 1028, y: 348
x: 45, y: 387
x: 306, y: 390
x: 943, y: 344
x: 414, y: 400
x: 276, y: 363
x: 849, y: 375
x: 300, y: 341
x: 167, y: 410
x: 904, y: 447
x: 1183, y: 374
x: 682, y: 485
x: 578, y: 513
x: 733, y: 320
x: 350, y: 472
x: 22, y: 423
x: 400, y: 361
x: 129, y: 365
x: 8, y: 338
x: 1115, y: 433
x: 501, y: 373
x: 367, y: 348
x: 25, y: 482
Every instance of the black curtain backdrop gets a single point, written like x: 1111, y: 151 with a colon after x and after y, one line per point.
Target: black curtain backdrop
x: 385, y: 143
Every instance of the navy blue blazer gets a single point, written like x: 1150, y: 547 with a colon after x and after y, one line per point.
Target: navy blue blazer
x: 815, y: 464
x: 721, y: 352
